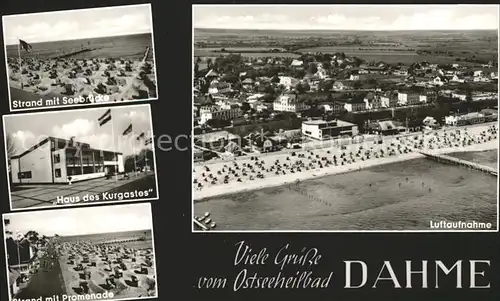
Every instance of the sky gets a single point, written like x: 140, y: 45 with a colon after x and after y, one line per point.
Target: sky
x: 347, y: 17
x: 28, y: 129
x: 81, y: 221
x: 77, y: 24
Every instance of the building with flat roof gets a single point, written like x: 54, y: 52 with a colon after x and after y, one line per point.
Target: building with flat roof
x: 465, y: 119
x: 324, y: 130
x: 56, y: 160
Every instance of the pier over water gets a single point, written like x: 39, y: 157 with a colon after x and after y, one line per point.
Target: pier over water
x: 72, y: 53
x: 455, y: 161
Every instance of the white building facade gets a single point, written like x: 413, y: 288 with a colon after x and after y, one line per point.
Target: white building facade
x: 226, y: 112
x: 289, y: 103
x: 56, y: 160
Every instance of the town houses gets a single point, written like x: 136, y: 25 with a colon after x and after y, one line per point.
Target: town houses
x: 288, y: 102
x: 240, y: 94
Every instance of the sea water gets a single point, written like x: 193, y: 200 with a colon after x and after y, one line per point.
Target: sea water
x: 399, y: 196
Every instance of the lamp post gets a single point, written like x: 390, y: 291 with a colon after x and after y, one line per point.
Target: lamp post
x: 18, y: 238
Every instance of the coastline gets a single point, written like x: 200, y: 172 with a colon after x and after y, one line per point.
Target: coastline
x: 223, y: 190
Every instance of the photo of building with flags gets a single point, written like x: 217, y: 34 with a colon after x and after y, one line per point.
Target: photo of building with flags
x: 99, y: 150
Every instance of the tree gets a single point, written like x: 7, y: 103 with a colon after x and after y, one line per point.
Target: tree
x: 32, y: 236
x: 326, y: 65
x: 299, y: 73
x: 306, y: 86
x: 357, y: 84
x: 268, y: 97
x: 218, y: 123
x: 300, y: 88
x: 312, y: 68
x: 251, y: 74
x: 245, y: 107
x: 275, y: 80
x: 11, y: 147
x: 8, y: 233
x: 230, y: 77
x: 269, y: 89
x: 326, y: 85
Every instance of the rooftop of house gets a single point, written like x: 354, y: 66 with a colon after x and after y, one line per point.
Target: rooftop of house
x: 490, y: 111
x: 18, y: 252
x: 215, y: 136
x: 321, y: 121
x: 61, y: 143
x: 211, y: 73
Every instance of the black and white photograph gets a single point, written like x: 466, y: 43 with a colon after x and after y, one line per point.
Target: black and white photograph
x: 345, y: 118
x: 80, y: 157
x: 87, y: 253
x: 80, y: 57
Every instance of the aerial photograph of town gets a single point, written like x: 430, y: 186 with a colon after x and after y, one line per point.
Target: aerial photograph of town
x: 345, y: 118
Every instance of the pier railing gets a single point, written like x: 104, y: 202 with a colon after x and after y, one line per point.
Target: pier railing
x: 72, y: 53
x: 456, y: 161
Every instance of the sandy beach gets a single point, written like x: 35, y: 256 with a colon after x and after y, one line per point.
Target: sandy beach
x: 118, y: 79
x: 272, y: 170
x: 112, y: 266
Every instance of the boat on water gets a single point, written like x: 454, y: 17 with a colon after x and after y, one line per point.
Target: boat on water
x: 203, y: 223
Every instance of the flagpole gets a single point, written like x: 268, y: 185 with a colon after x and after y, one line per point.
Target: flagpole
x: 114, y: 147
x: 146, y: 157
x: 18, y: 255
x: 20, y: 61
x: 133, y: 147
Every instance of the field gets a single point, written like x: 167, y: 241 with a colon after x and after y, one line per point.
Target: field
x: 442, y: 47
x: 244, y: 51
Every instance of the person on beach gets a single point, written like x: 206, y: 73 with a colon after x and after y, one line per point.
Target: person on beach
x: 275, y: 165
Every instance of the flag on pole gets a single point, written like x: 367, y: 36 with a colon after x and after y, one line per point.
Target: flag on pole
x: 105, y: 118
x: 140, y: 136
x: 25, y: 45
x: 148, y: 141
x: 128, y: 130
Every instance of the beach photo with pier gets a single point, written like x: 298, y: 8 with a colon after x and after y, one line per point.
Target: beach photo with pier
x: 345, y: 118
x: 80, y: 57
x: 80, y: 157
x: 87, y: 253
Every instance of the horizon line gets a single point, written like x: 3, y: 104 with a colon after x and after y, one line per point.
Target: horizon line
x: 117, y: 35
x: 330, y: 29
x: 93, y: 233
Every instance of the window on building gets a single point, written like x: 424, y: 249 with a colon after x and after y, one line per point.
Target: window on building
x: 57, y: 158
x: 57, y: 173
x: 24, y: 175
